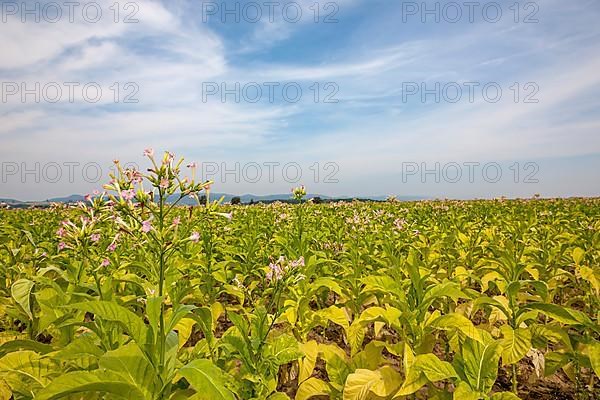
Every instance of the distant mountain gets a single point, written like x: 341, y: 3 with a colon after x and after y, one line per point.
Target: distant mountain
x: 10, y: 201
x: 245, y: 198
x: 69, y: 199
x: 74, y: 198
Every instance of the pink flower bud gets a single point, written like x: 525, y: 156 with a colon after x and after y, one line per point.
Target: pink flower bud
x: 146, y: 226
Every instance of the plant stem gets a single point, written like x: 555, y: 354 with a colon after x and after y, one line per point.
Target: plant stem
x: 515, y: 380
x: 161, y: 279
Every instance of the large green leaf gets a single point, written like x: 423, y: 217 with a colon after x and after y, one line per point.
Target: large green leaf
x: 433, y: 368
x: 578, y: 254
x: 446, y: 289
x: 388, y: 382
x: 515, y: 345
x: 25, y: 371
x: 81, y: 352
x: 129, y: 362
x: 5, y: 390
x: 179, y: 312
x: 562, y: 314
x: 459, y: 323
x: 413, y: 381
x: 335, y: 315
x: 209, y: 381
x: 21, y: 292
x: 24, y: 344
x: 153, y: 309
x: 464, y: 392
x: 355, y: 336
x: 204, y: 318
x: 309, y: 361
x: 110, y: 311
x: 283, y: 349
x: 593, y: 352
x: 338, y: 370
x: 358, y: 384
x: 488, y: 301
x: 425, y: 368
x: 479, y: 364
x: 312, y: 387
x: 90, y: 382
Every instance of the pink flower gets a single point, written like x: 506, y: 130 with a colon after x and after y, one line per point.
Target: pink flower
x: 146, y: 226
x: 88, y: 197
x: 96, y: 192
x: 60, y: 232
x: 128, y: 194
x: 112, y: 247
x: 61, y: 245
x: 95, y: 237
x: 135, y: 176
x: 192, y: 165
x: 149, y: 152
x: 275, y: 272
x: 105, y: 262
x: 176, y: 221
x: 399, y: 223
x: 164, y: 183
x: 229, y: 216
x: 297, y: 263
x: 168, y: 158
x: 195, y: 237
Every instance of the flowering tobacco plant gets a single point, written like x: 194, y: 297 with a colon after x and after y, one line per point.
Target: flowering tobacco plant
x: 137, y: 210
x: 299, y: 193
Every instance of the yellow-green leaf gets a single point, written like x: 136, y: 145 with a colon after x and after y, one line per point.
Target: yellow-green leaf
x: 21, y: 292
x: 515, y: 345
x: 308, y: 362
x: 210, y: 382
x: 312, y: 387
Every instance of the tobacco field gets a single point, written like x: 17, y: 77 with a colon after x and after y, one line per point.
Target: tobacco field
x: 132, y: 295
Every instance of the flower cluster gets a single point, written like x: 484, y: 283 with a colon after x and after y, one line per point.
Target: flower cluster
x: 127, y: 185
x: 399, y: 223
x: 335, y: 247
x: 283, y: 269
x: 299, y: 193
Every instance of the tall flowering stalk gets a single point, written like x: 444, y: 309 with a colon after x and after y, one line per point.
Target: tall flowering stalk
x: 299, y: 194
x: 146, y: 211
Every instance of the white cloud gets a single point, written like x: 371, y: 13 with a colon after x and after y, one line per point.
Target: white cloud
x: 369, y: 133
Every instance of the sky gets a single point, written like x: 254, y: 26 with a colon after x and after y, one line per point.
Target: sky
x: 348, y: 97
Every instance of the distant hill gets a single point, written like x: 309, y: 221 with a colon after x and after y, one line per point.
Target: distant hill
x: 10, y: 201
x: 245, y: 198
x: 74, y: 198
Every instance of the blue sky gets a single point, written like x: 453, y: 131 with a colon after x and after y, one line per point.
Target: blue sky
x: 367, y: 57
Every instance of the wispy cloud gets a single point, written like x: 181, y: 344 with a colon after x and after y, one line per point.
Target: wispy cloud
x: 369, y: 54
